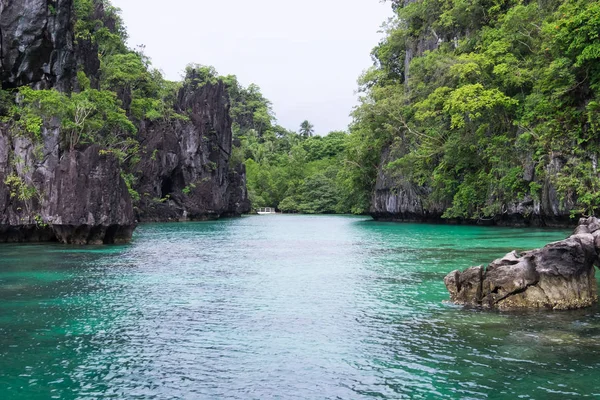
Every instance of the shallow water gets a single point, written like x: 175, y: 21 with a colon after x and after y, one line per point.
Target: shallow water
x: 281, y: 307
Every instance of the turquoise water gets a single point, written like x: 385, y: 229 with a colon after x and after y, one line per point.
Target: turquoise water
x: 281, y: 307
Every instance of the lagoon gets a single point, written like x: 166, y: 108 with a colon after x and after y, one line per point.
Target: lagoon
x: 281, y: 307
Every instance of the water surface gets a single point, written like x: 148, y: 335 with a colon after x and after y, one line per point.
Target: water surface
x: 281, y: 307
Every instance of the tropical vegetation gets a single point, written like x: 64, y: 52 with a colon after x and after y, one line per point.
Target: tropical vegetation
x: 480, y: 101
x: 484, y: 102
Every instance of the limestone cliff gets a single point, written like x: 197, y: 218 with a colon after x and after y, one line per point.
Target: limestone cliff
x: 75, y: 197
x: 185, y: 172
x: 421, y: 55
x: 37, y: 44
x: 76, y: 194
x: 395, y: 198
x: 46, y: 192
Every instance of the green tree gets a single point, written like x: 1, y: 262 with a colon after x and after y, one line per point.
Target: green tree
x: 507, y: 86
x: 307, y: 129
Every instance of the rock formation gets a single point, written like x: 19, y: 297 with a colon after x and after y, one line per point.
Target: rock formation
x: 49, y: 192
x: 75, y: 197
x: 396, y: 199
x: 185, y: 172
x: 37, y: 44
x: 558, y: 276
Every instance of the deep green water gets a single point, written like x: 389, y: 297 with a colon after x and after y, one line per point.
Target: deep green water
x: 280, y: 307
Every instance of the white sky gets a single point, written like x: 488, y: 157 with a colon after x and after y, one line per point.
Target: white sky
x: 305, y: 55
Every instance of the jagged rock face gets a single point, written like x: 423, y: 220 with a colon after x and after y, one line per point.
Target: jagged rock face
x: 185, y: 173
x: 76, y: 197
x: 37, y: 44
x: 237, y: 192
x: 46, y: 194
x: 396, y: 199
x: 559, y: 276
x: 79, y: 197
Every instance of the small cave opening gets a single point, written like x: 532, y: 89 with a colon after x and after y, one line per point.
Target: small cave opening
x: 166, y: 187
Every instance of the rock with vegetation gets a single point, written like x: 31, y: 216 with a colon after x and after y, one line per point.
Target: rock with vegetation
x: 86, y: 123
x: 185, y: 166
x: 482, y: 112
x: 52, y: 187
x: 558, y: 276
x: 75, y: 197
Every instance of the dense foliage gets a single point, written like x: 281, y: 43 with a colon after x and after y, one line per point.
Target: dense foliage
x: 295, y: 172
x: 484, y: 101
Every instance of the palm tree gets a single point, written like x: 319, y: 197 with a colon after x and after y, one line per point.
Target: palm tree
x: 307, y: 129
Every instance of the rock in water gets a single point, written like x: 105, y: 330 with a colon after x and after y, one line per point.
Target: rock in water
x: 48, y: 193
x: 51, y: 192
x: 187, y: 163
x: 558, y: 276
x: 76, y: 197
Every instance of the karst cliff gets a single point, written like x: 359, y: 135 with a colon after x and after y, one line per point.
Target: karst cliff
x: 79, y: 162
x: 484, y: 114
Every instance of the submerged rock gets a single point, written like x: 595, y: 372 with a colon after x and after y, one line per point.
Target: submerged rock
x: 558, y: 276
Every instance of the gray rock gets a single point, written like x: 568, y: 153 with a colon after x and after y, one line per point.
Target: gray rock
x: 396, y: 199
x: 558, y: 276
x: 75, y: 197
x: 37, y: 44
x: 185, y: 172
x: 466, y: 285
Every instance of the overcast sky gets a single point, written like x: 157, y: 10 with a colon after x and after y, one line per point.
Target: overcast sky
x: 305, y: 55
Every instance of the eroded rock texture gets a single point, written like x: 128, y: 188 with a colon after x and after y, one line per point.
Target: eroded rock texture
x: 47, y: 193
x: 185, y: 172
x: 37, y: 44
x: 558, y: 276
x: 75, y: 197
x: 50, y: 193
x: 395, y: 198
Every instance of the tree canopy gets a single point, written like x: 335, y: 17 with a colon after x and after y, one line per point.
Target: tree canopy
x: 483, y: 103
x: 306, y: 129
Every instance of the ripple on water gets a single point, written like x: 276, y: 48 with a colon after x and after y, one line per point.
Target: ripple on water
x: 286, y: 307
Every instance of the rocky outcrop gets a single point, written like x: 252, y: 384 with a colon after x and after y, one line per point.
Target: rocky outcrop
x: 78, y: 196
x: 75, y: 197
x: 395, y: 198
x: 46, y: 193
x: 37, y: 44
x: 185, y: 172
x: 559, y: 276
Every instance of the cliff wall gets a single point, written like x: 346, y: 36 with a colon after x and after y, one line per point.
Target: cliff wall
x: 485, y: 115
x: 397, y: 199
x: 50, y: 191
x: 185, y: 171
